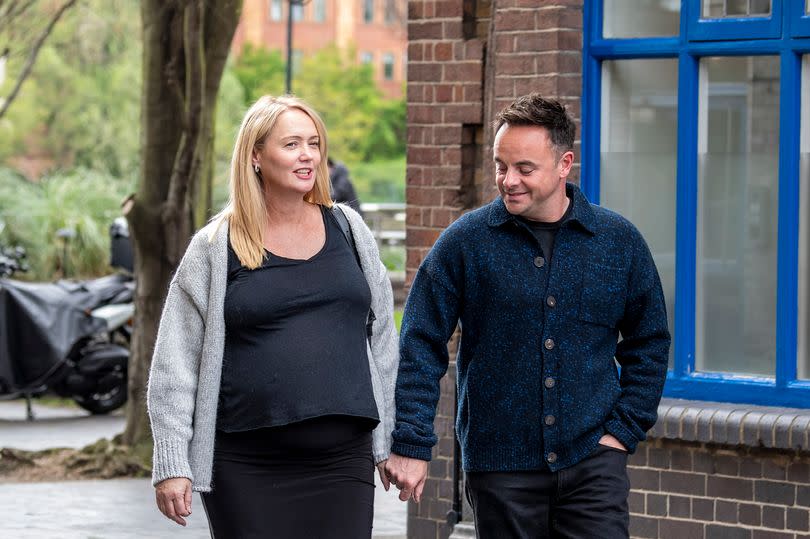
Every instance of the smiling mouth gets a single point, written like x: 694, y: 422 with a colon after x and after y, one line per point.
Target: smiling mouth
x: 305, y: 172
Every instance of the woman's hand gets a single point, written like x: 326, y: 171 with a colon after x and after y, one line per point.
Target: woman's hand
x: 381, y: 469
x: 174, y: 498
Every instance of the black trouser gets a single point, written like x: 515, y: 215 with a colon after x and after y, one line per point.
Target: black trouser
x: 587, y: 500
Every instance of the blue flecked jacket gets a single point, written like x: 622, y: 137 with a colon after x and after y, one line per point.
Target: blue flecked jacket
x: 537, y: 383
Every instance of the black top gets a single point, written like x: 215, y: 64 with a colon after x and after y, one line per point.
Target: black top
x: 546, y: 232
x: 295, y: 340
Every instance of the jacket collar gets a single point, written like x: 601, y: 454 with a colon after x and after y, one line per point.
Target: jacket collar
x: 581, y: 215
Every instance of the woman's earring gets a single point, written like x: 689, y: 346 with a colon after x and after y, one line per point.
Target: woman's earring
x: 256, y: 168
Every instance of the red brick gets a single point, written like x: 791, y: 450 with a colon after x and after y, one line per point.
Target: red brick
x: 421, y: 114
x: 453, y: 29
x: 415, y: 52
x: 451, y: 156
x: 473, y: 93
x: 416, y: 10
x: 446, y: 135
x: 505, y: 42
x: 474, y: 49
x: 465, y: 114
x: 515, y: 65
x: 413, y: 175
x: 428, y: 72
x: 451, y: 198
x: 413, y: 216
x: 546, y: 85
x: 507, y: 20
x: 424, y: 30
x: 443, y: 93
x: 444, y: 176
x: 423, y: 155
x: 442, y: 217
x: 463, y: 72
x: 422, y: 196
x: 414, y: 257
x: 505, y: 86
x: 536, y: 41
x: 569, y: 40
x: 451, y: 8
x: 430, y: 9
x: 443, y: 51
x: 422, y: 237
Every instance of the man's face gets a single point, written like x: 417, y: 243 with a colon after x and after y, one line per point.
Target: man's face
x: 530, y: 175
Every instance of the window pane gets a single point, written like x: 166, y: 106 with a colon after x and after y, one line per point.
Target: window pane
x: 297, y: 12
x: 366, y: 57
x: 803, y: 333
x: 368, y: 10
x: 631, y: 18
x: 319, y: 10
x: 638, y: 155
x: 390, y: 12
x: 720, y: 9
x: 738, y: 144
x: 388, y: 66
x: 275, y: 10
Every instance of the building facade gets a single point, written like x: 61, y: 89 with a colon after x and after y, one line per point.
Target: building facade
x: 694, y: 122
x: 375, y: 29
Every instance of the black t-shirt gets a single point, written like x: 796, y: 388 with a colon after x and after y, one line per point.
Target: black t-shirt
x: 295, y: 339
x: 547, y: 232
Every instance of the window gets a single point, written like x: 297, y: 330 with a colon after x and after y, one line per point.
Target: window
x: 275, y: 10
x: 368, y: 11
x: 388, y: 66
x: 391, y: 16
x: 297, y: 11
x: 366, y: 57
x: 690, y: 129
x: 319, y: 10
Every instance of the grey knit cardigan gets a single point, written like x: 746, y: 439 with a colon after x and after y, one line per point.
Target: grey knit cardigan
x: 184, y: 380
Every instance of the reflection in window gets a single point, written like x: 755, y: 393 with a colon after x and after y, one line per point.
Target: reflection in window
x: 297, y: 12
x: 638, y: 154
x: 721, y: 9
x: 738, y: 151
x: 366, y: 57
x: 631, y: 18
x: 803, y: 332
x: 388, y: 66
x: 368, y: 10
x: 275, y: 10
x: 390, y: 12
x: 319, y: 10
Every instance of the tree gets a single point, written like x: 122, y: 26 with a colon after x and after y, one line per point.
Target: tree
x: 185, y: 47
x: 16, y: 39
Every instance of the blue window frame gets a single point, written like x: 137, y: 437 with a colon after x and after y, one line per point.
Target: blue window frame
x: 783, y: 35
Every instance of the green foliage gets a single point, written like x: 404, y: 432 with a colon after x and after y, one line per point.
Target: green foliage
x: 362, y: 124
x: 80, y: 107
x: 379, y: 181
x: 84, y: 201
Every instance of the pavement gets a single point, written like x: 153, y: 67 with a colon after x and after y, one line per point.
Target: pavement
x: 108, y: 509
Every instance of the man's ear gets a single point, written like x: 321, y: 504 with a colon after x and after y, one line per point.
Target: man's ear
x: 565, y: 163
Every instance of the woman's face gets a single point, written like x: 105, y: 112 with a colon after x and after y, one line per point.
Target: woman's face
x: 290, y: 154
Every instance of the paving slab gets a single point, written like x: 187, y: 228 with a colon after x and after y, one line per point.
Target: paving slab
x: 108, y: 509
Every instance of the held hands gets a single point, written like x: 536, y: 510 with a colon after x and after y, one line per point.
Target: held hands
x: 174, y: 498
x: 408, y: 475
x: 611, y: 441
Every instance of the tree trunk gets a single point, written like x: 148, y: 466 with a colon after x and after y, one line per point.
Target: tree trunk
x: 185, y: 46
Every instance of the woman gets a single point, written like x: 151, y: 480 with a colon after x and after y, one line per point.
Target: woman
x: 266, y: 392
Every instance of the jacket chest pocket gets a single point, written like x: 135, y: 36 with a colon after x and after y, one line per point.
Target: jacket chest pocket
x: 603, y: 295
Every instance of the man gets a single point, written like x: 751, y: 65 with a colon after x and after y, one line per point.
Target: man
x: 542, y: 283
x: 342, y: 188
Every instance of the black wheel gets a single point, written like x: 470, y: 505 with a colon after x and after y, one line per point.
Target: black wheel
x: 104, y: 403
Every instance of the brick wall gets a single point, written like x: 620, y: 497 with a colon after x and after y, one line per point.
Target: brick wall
x: 697, y: 490
x: 458, y: 77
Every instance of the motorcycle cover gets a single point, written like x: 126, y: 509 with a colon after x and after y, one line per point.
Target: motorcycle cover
x: 41, y: 322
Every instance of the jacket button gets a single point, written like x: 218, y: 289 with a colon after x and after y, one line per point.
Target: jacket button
x: 550, y: 420
x: 549, y: 382
x: 549, y: 344
x: 552, y: 457
x: 539, y: 261
x: 551, y: 301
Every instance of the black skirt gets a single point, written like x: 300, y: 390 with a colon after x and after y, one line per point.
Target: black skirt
x: 311, y: 479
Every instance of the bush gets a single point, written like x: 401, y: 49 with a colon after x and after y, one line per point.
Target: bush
x: 84, y: 201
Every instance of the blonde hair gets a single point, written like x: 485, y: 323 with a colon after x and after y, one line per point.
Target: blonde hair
x: 246, y: 211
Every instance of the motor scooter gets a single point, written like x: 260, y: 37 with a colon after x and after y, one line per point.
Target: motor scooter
x: 70, y: 338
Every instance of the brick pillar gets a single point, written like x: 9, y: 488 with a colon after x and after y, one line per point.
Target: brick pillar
x: 466, y: 60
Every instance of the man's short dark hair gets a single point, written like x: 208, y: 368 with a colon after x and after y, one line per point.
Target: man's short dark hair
x: 534, y: 109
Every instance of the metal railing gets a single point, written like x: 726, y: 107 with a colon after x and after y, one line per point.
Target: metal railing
x: 386, y: 221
